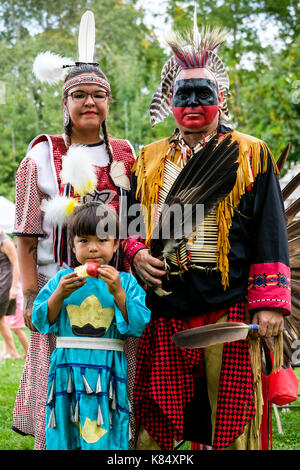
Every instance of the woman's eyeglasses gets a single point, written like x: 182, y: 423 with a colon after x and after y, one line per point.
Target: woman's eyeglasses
x: 79, y: 96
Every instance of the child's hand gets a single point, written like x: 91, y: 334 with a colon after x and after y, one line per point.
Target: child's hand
x: 111, y: 277
x: 69, y: 284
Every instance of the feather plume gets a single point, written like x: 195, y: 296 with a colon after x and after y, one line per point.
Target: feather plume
x: 206, y: 179
x: 58, y: 209
x: 193, y: 51
x: 266, y: 359
x: 291, y: 187
x: 291, y: 330
x: 48, y: 67
x: 294, y: 246
x: 77, y: 169
x: 197, y: 38
x: 86, y: 38
x: 293, y: 229
x: 292, y: 211
x: 282, y: 159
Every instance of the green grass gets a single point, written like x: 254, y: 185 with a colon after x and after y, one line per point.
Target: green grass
x: 10, y: 374
x: 290, y: 423
x: 11, y: 371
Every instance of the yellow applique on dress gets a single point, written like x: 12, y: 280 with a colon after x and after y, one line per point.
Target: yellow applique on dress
x: 91, y: 432
x: 90, y: 312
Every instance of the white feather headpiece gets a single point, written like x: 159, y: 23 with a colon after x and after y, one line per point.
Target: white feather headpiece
x: 86, y: 38
x: 78, y: 170
x: 51, y: 68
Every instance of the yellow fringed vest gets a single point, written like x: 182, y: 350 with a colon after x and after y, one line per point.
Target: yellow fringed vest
x: 149, y: 170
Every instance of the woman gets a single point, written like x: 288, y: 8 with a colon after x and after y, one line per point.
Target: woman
x: 16, y: 322
x: 9, y: 277
x: 86, y: 96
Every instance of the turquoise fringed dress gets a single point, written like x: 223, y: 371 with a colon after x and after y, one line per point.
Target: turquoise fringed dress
x: 87, y: 402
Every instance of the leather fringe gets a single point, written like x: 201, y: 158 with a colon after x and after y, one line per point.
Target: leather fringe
x: 255, y: 424
x: 149, y: 169
x: 253, y: 160
x: 278, y: 353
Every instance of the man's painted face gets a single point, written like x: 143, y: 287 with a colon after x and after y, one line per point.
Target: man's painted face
x: 195, y: 102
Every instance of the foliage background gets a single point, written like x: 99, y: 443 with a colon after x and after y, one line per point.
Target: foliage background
x: 262, y: 55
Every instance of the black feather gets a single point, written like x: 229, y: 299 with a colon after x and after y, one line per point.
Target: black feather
x: 206, y: 179
x: 281, y: 160
x: 266, y: 359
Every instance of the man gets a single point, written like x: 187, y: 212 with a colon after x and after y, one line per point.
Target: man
x: 237, y: 271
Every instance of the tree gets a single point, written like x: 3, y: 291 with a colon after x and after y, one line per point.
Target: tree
x: 126, y: 50
x: 263, y: 78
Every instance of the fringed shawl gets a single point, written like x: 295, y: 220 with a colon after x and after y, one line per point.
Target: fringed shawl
x: 149, y: 170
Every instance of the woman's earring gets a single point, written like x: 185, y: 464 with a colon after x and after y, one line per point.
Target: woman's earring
x: 66, y: 116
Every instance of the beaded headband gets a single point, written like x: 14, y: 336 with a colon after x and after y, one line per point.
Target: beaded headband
x: 86, y: 79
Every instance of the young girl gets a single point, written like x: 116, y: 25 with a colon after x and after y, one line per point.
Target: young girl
x: 87, y: 403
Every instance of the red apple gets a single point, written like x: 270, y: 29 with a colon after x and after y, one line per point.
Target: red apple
x: 92, y: 269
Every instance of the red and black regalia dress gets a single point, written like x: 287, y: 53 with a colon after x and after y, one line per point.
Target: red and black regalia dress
x: 38, y: 178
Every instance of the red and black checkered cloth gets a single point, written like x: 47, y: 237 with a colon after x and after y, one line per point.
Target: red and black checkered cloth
x: 164, y: 384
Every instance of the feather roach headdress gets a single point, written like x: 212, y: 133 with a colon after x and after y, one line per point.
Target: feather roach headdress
x: 196, y: 50
x: 52, y: 68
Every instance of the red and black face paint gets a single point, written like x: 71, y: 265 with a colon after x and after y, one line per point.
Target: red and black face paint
x: 195, y: 102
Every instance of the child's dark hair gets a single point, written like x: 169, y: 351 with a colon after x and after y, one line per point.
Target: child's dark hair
x: 74, y: 72
x: 93, y: 218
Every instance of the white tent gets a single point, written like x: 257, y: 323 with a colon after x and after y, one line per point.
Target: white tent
x: 7, y: 215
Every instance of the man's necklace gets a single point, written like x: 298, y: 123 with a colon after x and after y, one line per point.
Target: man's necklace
x: 186, y: 151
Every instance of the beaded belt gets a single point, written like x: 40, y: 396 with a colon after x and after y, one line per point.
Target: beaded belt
x: 83, y: 342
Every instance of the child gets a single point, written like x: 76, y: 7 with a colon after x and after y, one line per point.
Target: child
x: 87, y: 403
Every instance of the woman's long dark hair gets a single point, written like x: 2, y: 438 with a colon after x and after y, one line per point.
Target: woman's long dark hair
x: 74, y: 72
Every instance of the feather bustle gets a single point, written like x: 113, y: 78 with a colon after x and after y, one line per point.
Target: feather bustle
x: 291, y: 187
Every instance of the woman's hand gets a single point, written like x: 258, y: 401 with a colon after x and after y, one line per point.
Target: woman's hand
x: 13, y: 292
x: 29, y: 298
x: 149, y: 269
